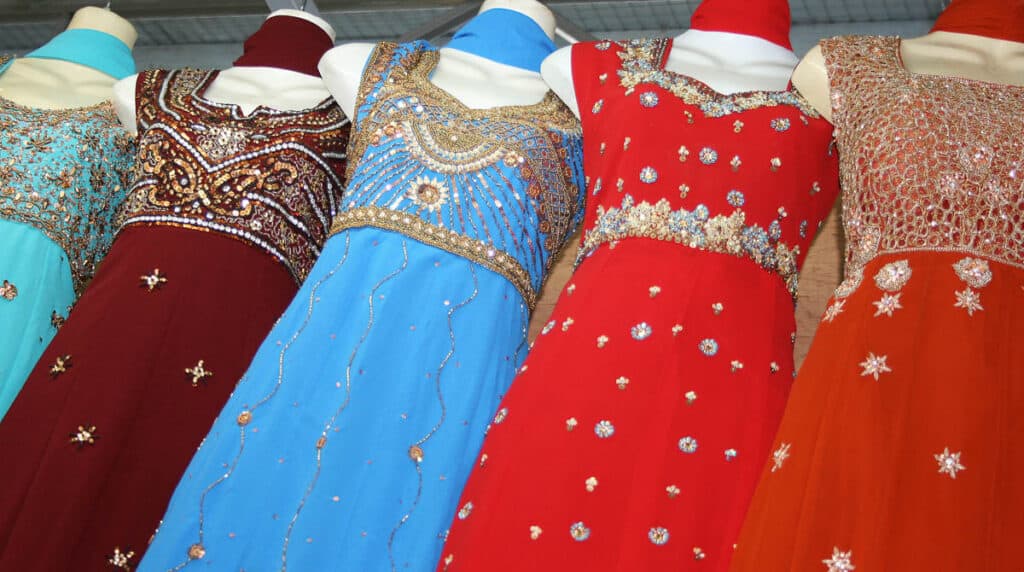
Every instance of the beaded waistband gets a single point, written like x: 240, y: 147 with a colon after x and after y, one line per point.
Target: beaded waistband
x: 725, y: 234
x: 414, y: 227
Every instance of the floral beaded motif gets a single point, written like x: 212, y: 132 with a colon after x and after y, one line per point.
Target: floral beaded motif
x: 696, y: 228
x: 641, y: 65
x: 65, y: 173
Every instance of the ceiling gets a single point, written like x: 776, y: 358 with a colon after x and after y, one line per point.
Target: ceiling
x: 30, y: 23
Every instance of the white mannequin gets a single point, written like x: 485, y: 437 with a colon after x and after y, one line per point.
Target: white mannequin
x: 57, y: 84
x: 248, y: 87
x: 938, y: 53
x: 727, y: 62
x: 475, y: 81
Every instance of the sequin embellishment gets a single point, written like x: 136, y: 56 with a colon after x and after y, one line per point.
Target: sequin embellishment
x: 84, y: 435
x: 649, y: 175
x: 198, y: 373
x: 949, y: 463
x: 604, y: 429
x: 579, y: 531
x: 974, y: 271
x: 780, y: 455
x: 641, y: 331
x: 153, y: 280
x: 688, y: 445
x: 893, y: 276
x: 8, y: 291
x: 121, y: 559
x: 840, y: 561
x: 658, y: 535
x: 874, y: 366
x: 695, y: 228
x: 708, y: 347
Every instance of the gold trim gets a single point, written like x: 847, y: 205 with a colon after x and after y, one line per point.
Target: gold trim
x: 410, y: 225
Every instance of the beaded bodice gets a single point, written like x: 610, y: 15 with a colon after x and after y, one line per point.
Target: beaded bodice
x: 271, y: 178
x: 928, y: 162
x: 65, y: 172
x: 750, y: 174
x: 498, y: 186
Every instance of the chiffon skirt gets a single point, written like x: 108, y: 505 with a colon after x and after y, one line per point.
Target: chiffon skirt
x: 634, y: 434
x: 902, y: 437
x: 38, y: 269
x: 113, y: 411
x: 347, y: 442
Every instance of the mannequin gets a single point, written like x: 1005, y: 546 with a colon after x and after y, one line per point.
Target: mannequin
x: 729, y: 57
x: 49, y: 83
x: 476, y: 81
x: 980, y: 53
x: 249, y: 84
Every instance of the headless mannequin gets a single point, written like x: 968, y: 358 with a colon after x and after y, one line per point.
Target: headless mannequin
x: 474, y: 80
x: 940, y: 53
x: 58, y: 84
x: 247, y: 86
x: 727, y: 61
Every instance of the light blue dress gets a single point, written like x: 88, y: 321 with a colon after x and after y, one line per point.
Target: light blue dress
x: 63, y: 173
x: 347, y: 443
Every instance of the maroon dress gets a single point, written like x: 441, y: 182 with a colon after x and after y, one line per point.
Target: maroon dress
x: 227, y: 215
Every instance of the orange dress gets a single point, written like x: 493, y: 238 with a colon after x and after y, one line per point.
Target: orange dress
x: 900, y: 446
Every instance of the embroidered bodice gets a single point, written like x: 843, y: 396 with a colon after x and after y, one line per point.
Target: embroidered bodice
x: 749, y: 174
x: 927, y: 162
x: 498, y: 186
x: 271, y: 178
x: 65, y: 172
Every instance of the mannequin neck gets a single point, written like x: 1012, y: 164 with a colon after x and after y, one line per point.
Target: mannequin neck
x: 289, y: 42
x: 731, y: 63
x: 505, y: 36
x: 997, y: 19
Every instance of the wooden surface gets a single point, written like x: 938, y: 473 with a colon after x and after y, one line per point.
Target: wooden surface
x: 820, y: 276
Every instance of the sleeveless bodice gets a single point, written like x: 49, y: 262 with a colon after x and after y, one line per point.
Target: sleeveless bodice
x: 929, y: 163
x: 498, y: 186
x: 749, y: 174
x: 64, y: 172
x: 271, y: 178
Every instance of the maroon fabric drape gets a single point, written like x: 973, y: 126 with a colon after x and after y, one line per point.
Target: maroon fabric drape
x: 288, y: 43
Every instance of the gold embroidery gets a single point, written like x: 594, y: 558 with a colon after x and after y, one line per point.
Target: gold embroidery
x: 414, y: 227
x: 269, y: 179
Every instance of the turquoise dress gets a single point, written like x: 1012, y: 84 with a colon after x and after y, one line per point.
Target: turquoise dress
x: 63, y: 173
x: 346, y: 444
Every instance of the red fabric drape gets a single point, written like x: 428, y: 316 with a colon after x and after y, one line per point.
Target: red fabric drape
x: 999, y: 19
x: 766, y: 19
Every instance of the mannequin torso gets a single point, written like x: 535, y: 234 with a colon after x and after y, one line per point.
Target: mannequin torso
x: 248, y: 87
x: 59, y: 84
x: 474, y: 80
x: 727, y: 62
x: 938, y: 53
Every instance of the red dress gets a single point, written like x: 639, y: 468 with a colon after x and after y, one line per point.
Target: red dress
x: 634, y: 434
x: 900, y: 449
x: 227, y: 214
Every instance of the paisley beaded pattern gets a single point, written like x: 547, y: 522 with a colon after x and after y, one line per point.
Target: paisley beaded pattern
x: 963, y: 175
x: 506, y: 182
x: 65, y: 172
x: 271, y: 178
